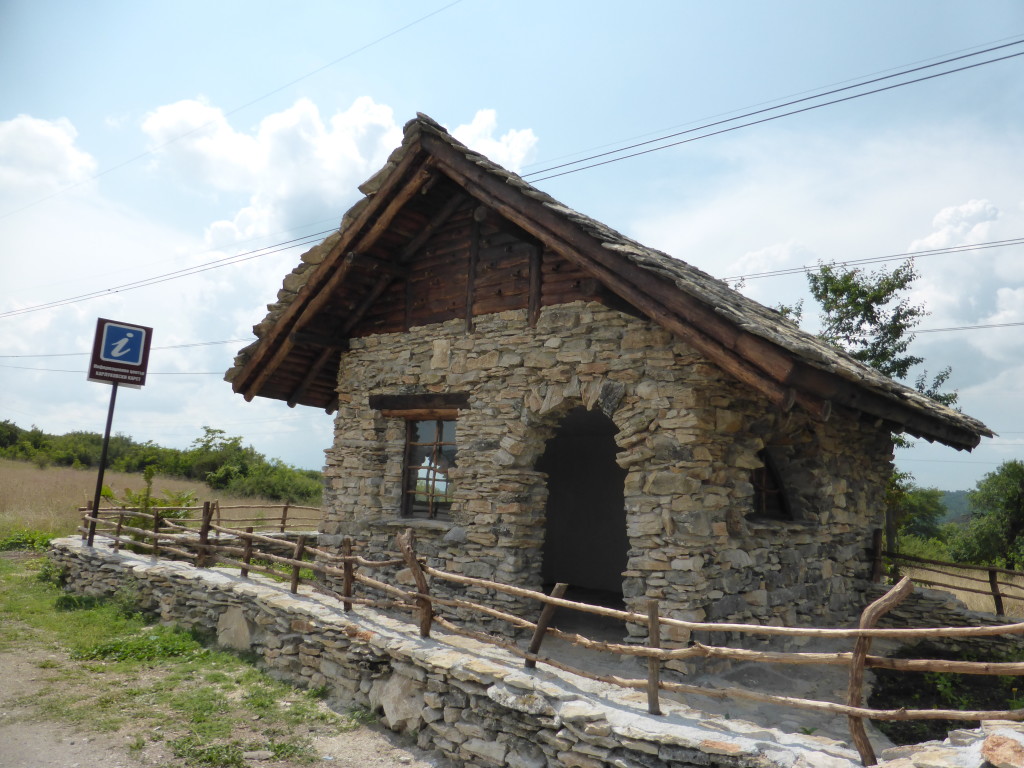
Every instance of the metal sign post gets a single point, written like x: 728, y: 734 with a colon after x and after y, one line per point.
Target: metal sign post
x: 120, y: 355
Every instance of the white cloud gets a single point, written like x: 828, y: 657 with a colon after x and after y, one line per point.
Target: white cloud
x: 512, y: 150
x: 38, y: 156
x: 294, y: 169
x: 963, y: 224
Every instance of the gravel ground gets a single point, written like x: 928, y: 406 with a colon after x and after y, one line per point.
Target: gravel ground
x: 29, y: 741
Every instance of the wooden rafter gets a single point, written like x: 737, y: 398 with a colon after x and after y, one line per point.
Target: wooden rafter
x: 754, y: 360
x: 391, y: 271
x: 409, y: 176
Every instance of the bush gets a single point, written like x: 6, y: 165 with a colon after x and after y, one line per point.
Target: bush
x: 35, y: 541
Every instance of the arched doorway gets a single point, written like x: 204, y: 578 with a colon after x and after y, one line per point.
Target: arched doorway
x: 585, y: 541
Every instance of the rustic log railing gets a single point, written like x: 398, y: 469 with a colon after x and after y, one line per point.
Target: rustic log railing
x: 255, y: 552
x: 275, y: 517
x: 990, y: 584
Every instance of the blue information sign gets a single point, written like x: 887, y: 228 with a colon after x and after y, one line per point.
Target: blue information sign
x: 120, y: 353
x: 122, y: 344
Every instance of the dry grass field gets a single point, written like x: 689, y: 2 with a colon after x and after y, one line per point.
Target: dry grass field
x: 47, y: 500
x: 1011, y: 587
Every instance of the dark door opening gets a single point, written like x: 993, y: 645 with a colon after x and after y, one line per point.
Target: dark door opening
x: 585, y: 541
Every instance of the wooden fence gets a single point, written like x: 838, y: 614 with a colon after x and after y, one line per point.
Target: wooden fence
x: 278, y: 517
x: 298, y: 563
x: 997, y: 583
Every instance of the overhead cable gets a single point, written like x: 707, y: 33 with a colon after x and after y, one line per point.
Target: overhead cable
x: 759, y: 121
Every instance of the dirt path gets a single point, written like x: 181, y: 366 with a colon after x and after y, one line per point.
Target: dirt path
x: 30, y: 740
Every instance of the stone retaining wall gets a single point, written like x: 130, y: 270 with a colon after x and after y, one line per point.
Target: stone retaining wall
x: 472, y: 703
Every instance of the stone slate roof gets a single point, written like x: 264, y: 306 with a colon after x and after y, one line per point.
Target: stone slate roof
x: 698, y: 287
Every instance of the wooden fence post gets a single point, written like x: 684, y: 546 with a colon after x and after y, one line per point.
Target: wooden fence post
x: 117, y: 531
x: 349, y: 572
x: 300, y: 547
x: 878, y: 567
x: 997, y: 598
x: 156, y: 533
x: 854, y: 697
x: 247, y: 552
x: 284, y: 517
x: 85, y: 523
x: 653, y: 664
x: 204, y: 534
x: 406, y: 544
x: 547, y: 613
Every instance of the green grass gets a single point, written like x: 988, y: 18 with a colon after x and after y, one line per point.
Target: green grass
x: 118, y: 674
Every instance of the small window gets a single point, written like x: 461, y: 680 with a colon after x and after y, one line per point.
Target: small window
x: 429, y: 455
x: 770, y: 501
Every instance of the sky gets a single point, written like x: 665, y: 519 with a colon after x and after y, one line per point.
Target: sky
x: 180, y: 144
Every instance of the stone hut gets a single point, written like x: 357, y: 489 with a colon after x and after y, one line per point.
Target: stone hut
x: 545, y: 400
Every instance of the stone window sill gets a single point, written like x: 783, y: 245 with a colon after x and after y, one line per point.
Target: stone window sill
x: 772, y: 523
x: 416, y: 523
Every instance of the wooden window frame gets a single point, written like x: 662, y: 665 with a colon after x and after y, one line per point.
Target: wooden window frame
x: 410, y: 473
x: 767, y: 482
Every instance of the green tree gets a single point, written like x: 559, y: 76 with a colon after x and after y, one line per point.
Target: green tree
x: 869, y: 315
x: 995, y: 531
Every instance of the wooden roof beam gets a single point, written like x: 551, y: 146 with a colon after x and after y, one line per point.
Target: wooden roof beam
x: 575, y: 246
x: 392, y: 271
x: 412, y: 172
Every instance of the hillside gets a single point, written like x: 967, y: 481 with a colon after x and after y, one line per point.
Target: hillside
x: 214, y: 458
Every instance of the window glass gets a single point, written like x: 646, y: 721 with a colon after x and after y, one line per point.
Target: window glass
x: 430, y: 454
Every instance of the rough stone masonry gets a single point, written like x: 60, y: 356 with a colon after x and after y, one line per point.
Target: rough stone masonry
x: 689, y: 437
x: 474, y: 704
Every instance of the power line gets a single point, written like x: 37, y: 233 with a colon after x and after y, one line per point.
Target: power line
x: 758, y: 122
x: 767, y: 101
x: 246, y: 105
x: 149, y: 373
x: 226, y: 261
x: 880, y: 259
x: 172, y: 346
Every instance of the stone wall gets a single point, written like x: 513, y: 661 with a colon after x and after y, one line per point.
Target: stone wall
x: 473, y: 703
x: 689, y: 437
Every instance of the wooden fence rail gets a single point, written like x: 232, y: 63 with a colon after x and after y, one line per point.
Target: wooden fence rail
x: 298, y: 562
x: 995, y: 587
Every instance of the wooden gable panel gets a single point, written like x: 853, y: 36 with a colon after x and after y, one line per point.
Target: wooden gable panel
x: 437, y: 287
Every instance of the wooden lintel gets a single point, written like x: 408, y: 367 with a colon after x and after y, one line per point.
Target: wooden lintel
x: 421, y: 414
x: 420, y: 401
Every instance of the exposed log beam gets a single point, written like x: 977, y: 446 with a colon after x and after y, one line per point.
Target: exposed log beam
x: 392, y: 271
x: 752, y: 359
x: 474, y: 255
x: 311, y: 375
x: 318, y: 340
x: 577, y: 247
x: 536, y: 278
x: 280, y: 342
x: 409, y: 176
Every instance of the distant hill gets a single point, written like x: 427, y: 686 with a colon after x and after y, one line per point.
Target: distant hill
x: 955, y: 503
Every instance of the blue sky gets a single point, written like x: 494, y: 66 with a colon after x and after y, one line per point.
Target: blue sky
x: 139, y: 138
